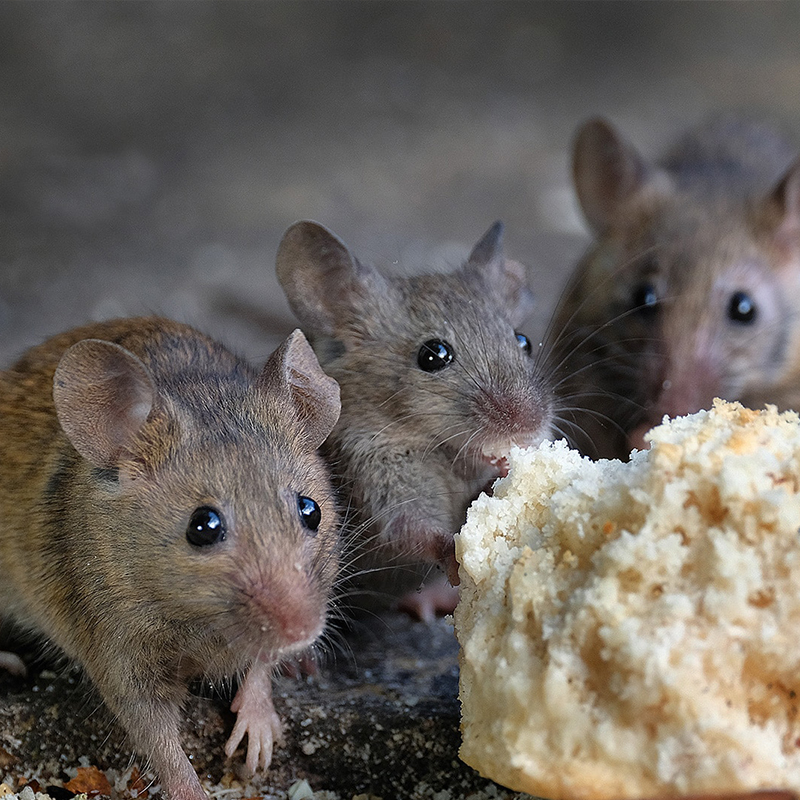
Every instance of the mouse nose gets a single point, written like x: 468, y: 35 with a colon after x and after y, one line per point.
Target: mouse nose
x: 517, y: 414
x: 289, y: 613
x: 297, y: 632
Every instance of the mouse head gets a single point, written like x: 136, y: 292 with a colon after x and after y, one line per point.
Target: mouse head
x: 696, y: 263
x: 212, y: 502
x: 433, y: 361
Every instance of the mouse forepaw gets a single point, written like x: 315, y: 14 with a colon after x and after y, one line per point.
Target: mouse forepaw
x: 435, y: 600
x: 263, y: 728
x: 12, y: 663
x: 256, y: 717
x: 300, y: 666
x: 262, y: 734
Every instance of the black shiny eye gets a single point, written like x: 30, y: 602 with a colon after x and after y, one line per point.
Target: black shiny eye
x: 206, y: 527
x: 310, y: 515
x: 741, y: 308
x: 645, y: 299
x: 434, y: 355
x: 524, y: 343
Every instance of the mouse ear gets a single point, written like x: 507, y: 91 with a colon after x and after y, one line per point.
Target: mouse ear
x: 489, y: 248
x: 103, y: 394
x: 783, y: 204
x: 607, y: 172
x: 506, y: 278
x: 293, y: 374
x: 322, y: 280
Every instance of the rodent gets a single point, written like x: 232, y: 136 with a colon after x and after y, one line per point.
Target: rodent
x: 168, y: 516
x: 691, y: 289
x: 437, y: 384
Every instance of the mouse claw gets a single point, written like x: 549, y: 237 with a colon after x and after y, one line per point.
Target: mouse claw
x: 256, y: 717
x: 262, y: 733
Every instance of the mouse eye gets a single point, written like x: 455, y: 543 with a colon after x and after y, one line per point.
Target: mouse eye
x: 524, y: 343
x: 434, y: 355
x: 644, y: 299
x: 741, y: 308
x: 206, y: 527
x: 310, y: 515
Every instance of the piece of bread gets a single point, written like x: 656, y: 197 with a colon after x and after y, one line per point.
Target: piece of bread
x: 633, y: 629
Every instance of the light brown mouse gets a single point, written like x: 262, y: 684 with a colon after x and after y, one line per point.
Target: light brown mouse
x: 167, y: 516
x: 691, y: 289
x: 437, y: 385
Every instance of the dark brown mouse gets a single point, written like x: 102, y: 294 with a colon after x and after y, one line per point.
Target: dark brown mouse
x: 437, y: 385
x: 167, y: 516
x: 691, y: 289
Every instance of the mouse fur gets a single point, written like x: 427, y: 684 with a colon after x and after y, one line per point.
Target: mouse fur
x: 691, y: 288
x: 419, y: 436
x: 112, y: 436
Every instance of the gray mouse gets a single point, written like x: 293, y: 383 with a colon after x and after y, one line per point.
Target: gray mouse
x: 437, y: 385
x: 167, y: 517
x: 691, y: 289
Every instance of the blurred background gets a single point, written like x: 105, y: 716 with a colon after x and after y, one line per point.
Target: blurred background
x: 152, y: 153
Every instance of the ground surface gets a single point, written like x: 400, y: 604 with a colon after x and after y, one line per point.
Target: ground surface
x: 380, y: 719
x: 151, y: 155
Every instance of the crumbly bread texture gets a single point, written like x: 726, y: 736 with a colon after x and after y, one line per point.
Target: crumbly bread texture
x: 633, y: 629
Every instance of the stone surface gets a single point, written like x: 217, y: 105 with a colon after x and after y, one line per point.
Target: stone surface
x: 381, y: 718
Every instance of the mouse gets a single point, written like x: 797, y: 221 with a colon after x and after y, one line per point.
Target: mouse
x: 437, y: 384
x: 691, y: 287
x: 168, y: 517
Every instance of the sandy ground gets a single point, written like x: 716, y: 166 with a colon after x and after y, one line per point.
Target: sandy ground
x: 152, y: 154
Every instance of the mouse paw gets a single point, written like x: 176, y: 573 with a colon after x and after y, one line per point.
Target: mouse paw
x: 301, y: 666
x: 256, y: 717
x: 12, y: 663
x: 436, y: 599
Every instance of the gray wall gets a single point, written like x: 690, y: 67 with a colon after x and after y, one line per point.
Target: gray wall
x: 151, y: 154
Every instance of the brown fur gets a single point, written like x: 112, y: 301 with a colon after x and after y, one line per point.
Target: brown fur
x: 410, y: 450
x: 94, y: 555
x: 720, y: 214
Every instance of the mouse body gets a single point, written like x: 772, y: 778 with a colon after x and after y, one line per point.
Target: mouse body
x: 168, y: 517
x: 437, y: 385
x: 691, y: 289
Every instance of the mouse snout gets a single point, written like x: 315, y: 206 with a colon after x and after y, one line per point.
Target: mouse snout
x: 688, y: 385
x: 288, y: 611
x: 516, y: 417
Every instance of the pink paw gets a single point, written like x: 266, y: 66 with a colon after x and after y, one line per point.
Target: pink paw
x: 256, y: 717
x: 435, y: 599
x: 12, y: 663
x: 300, y: 666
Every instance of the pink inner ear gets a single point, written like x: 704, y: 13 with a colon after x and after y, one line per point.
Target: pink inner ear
x: 607, y: 172
x: 318, y: 275
x: 103, y: 395
x: 293, y: 375
x: 519, y: 297
x: 786, y: 198
x: 317, y: 398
